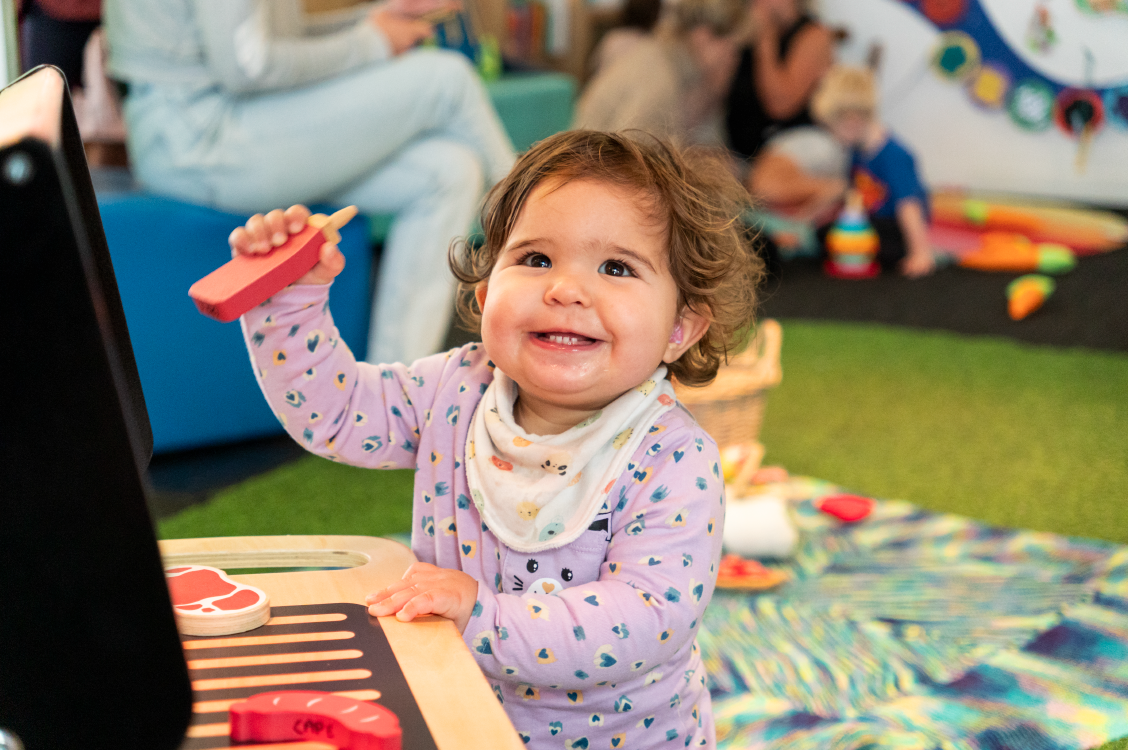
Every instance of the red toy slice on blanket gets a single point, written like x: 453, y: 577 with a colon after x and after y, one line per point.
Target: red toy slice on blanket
x: 848, y: 508
x: 736, y: 572
x: 207, y: 602
x: 307, y: 715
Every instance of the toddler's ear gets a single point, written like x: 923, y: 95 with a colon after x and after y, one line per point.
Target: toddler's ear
x: 693, y: 326
x: 480, y: 295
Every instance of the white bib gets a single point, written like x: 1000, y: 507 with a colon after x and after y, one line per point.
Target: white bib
x: 538, y: 492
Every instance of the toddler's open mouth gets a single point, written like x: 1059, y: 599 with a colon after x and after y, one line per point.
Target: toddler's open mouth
x: 564, y: 338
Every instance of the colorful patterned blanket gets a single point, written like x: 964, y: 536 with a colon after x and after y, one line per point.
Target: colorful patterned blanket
x: 922, y: 630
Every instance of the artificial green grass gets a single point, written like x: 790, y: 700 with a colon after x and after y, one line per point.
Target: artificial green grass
x: 309, y: 496
x: 1008, y: 433
x: 1012, y: 434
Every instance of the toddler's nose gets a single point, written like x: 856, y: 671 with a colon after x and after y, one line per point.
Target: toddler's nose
x: 567, y: 288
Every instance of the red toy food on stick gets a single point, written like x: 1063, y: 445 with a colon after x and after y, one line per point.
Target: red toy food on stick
x: 307, y: 715
x: 249, y: 280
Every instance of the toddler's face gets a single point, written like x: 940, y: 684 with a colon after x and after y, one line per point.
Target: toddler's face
x: 580, y: 305
x: 849, y: 128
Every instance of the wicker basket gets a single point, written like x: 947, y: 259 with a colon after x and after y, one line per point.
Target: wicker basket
x: 731, y: 408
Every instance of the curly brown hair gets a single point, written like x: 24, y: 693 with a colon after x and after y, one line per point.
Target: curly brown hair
x: 690, y: 191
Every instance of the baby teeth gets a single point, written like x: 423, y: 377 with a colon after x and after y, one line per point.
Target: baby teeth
x: 568, y: 340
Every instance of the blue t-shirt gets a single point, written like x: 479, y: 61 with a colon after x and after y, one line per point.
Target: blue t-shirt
x: 887, y: 178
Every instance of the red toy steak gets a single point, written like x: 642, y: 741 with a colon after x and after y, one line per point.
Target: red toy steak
x: 306, y: 715
x: 848, y: 508
x: 207, y: 602
x: 249, y: 280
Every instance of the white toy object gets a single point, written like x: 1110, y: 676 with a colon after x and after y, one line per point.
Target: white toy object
x: 759, y: 527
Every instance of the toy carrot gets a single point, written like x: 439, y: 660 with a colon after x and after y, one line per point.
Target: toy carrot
x: 1027, y: 293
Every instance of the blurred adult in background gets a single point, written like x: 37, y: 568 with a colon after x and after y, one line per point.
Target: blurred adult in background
x: 789, y: 52
x: 637, y: 23
x: 801, y: 172
x: 54, y: 32
x: 672, y: 83
x: 66, y: 34
x: 797, y: 181
x: 234, y: 104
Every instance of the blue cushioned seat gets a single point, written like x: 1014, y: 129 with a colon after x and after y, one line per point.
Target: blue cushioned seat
x: 197, y: 379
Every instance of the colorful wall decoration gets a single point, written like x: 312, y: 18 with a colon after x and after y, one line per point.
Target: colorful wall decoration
x: 1103, y: 6
x: 1000, y: 75
x: 991, y: 94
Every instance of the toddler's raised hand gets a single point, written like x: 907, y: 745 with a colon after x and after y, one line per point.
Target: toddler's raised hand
x: 264, y: 233
x: 426, y: 589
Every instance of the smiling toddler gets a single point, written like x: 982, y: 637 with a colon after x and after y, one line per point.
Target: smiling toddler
x: 567, y: 509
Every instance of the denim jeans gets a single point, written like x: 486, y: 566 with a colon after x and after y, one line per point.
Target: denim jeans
x: 415, y: 136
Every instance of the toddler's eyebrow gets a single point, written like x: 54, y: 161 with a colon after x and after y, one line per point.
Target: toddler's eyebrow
x: 637, y: 257
x: 532, y: 241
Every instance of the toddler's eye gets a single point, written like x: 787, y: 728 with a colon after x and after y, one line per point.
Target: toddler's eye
x: 532, y: 566
x: 615, y: 268
x: 566, y: 574
x: 535, y: 260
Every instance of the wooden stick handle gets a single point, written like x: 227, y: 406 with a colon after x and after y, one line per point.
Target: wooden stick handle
x: 330, y: 224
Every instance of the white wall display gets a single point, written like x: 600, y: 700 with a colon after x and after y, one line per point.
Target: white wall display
x: 959, y: 143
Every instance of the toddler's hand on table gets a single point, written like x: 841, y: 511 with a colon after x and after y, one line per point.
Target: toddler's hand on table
x: 426, y: 589
x: 264, y: 233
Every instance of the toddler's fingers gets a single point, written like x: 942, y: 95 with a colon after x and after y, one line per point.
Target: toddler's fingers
x: 394, y: 602
x: 260, y: 238
x: 420, y: 568
x: 296, y: 217
x: 332, y: 258
x: 378, y: 596
x: 240, y: 241
x: 384, y: 593
x: 437, y: 601
x: 275, y: 222
x: 417, y: 572
x: 419, y: 578
x: 331, y: 261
